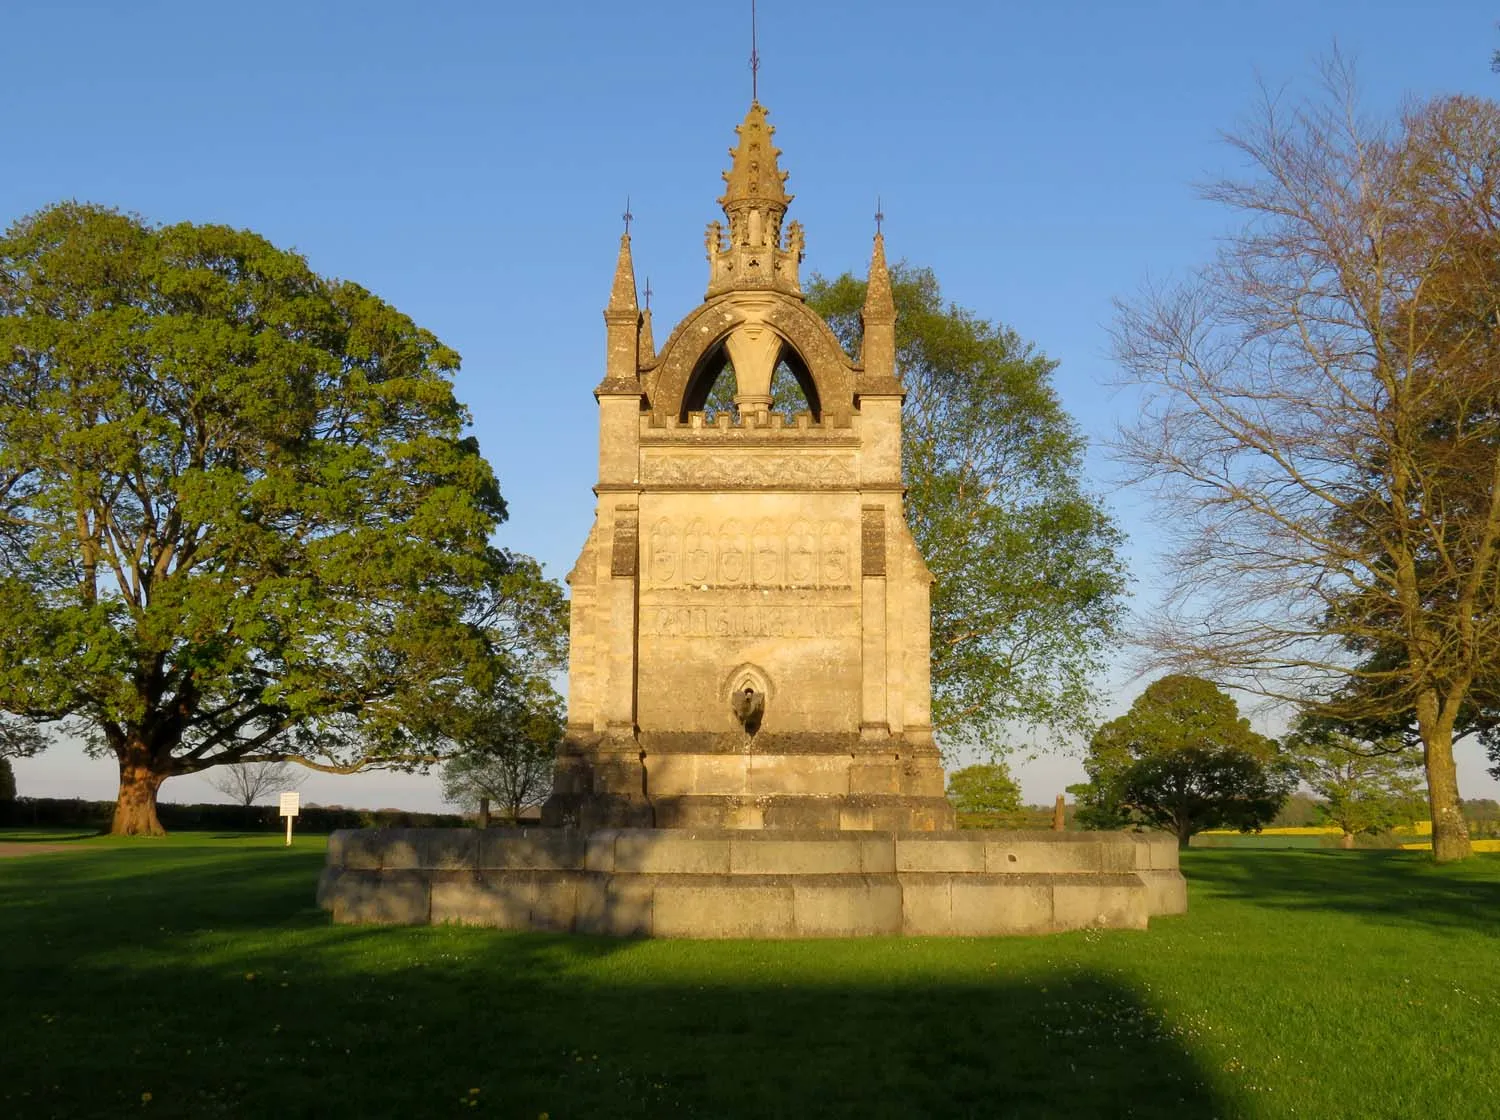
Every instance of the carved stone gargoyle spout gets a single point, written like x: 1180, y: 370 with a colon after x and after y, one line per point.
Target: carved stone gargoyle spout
x: 748, y: 706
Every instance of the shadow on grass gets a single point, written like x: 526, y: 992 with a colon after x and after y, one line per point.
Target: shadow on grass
x: 206, y: 978
x: 1397, y: 887
x: 44, y: 836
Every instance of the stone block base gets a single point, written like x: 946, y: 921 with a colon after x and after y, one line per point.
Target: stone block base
x: 779, y: 812
x: 716, y: 883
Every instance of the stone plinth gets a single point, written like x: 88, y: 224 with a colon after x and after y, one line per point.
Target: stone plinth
x: 718, y: 883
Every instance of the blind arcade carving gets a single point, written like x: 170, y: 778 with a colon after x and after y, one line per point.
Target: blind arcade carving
x: 771, y: 554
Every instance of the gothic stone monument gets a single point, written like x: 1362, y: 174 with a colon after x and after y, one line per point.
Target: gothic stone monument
x: 749, y: 748
x: 750, y: 613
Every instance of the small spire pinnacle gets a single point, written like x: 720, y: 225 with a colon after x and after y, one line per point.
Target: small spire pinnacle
x: 880, y: 303
x: 622, y: 293
x: 645, y: 350
x: 878, y: 348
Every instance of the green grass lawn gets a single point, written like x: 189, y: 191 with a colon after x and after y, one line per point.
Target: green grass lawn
x: 193, y: 977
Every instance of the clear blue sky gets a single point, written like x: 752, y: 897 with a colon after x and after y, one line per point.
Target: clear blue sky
x: 469, y: 162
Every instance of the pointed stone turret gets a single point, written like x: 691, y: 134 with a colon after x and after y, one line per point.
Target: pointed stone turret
x: 879, y: 388
x: 622, y: 320
x: 619, y: 394
x: 755, y: 201
x: 878, y: 351
x: 646, y: 347
x: 622, y: 293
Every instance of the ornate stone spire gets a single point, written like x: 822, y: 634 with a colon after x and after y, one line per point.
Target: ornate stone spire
x: 753, y: 177
x: 755, y: 202
x: 878, y: 350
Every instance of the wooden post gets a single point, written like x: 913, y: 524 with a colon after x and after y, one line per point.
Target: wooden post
x: 1059, y: 815
x: 484, y: 812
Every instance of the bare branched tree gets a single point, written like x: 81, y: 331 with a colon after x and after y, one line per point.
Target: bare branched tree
x: 245, y: 783
x: 1321, y: 421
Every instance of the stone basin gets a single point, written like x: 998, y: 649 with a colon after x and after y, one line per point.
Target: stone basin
x: 724, y: 883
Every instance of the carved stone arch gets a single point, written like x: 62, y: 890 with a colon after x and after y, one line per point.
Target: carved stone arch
x: 710, y: 367
x: 809, y: 347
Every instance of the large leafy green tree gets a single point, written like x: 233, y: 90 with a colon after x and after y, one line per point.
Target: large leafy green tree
x: 1183, y: 759
x: 239, y: 517
x: 1027, y: 580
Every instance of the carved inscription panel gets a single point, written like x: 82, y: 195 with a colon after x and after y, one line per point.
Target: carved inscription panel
x: 749, y: 620
x: 779, y: 553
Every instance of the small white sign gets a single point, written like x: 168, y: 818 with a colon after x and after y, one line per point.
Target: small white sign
x: 291, y: 803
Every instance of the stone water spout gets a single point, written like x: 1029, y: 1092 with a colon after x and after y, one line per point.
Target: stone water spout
x: 748, y: 705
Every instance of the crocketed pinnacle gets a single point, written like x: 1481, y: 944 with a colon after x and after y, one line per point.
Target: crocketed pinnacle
x: 753, y: 175
x: 622, y: 294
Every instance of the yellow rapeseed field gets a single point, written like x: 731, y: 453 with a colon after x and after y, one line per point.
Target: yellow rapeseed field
x: 1478, y: 846
x: 1417, y: 828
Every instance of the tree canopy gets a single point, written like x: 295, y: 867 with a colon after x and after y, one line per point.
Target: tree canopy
x: 239, y: 516
x: 1027, y: 580
x: 986, y: 788
x: 1321, y: 419
x: 1183, y: 759
x: 506, y: 743
x: 1366, y: 786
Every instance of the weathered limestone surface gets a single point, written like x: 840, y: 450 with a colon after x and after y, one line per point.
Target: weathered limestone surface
x: 715, y: 883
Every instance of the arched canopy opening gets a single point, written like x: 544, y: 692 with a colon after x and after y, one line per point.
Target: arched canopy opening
x: 711, y: 389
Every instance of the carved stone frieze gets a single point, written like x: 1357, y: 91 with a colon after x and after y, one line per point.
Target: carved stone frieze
x: 749, y: 471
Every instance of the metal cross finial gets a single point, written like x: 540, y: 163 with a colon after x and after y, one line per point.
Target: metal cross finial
x: 648, y: 293
x: 754, y: 58
x: 879, y: 214
x: 628, y: 216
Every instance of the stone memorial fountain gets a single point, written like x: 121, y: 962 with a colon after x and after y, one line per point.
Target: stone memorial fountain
x: 749, y: 748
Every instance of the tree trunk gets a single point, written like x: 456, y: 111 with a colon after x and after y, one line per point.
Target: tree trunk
x: 135, y: 809
x: 1346, y: 840
x: 1450, y: 835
